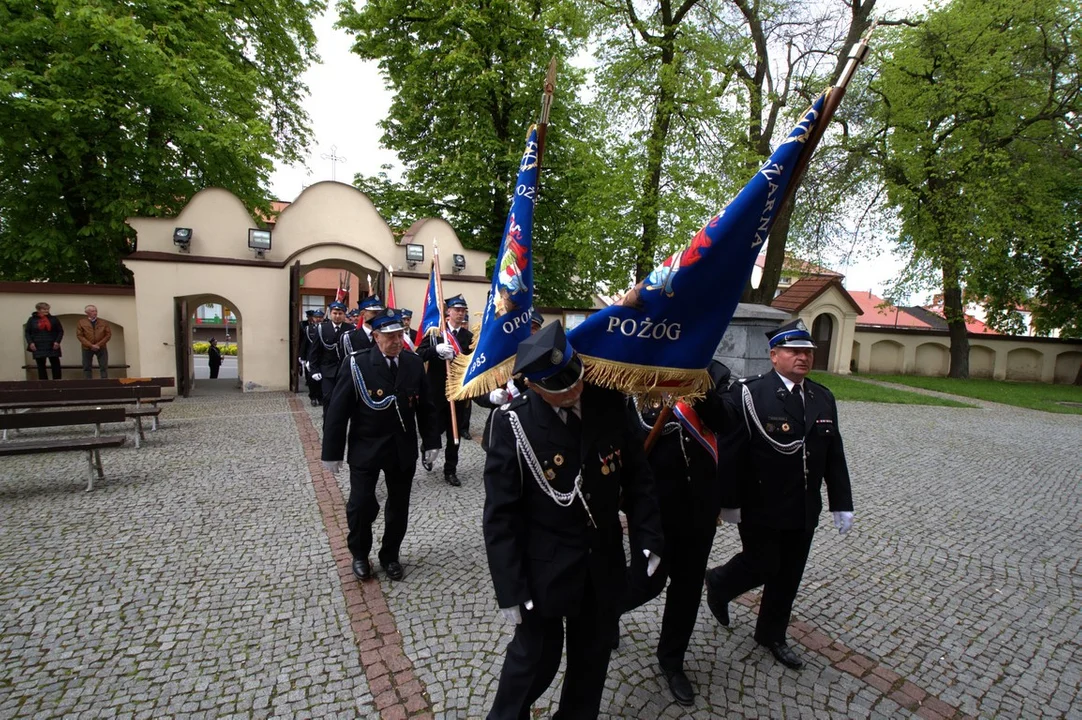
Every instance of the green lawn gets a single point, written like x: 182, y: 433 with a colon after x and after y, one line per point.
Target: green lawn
x: 846, y: 388
x: 1038, y: 396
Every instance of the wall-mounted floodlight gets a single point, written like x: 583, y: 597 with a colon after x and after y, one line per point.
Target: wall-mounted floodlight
x: 259, y: 240
x: 415, y: 253
x: 182, y: 238
x: 460, y: 263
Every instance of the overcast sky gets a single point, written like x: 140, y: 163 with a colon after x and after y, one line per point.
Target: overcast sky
x: 348, y: 98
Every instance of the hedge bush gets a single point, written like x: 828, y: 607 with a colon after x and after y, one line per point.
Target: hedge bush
x: 202, y: 348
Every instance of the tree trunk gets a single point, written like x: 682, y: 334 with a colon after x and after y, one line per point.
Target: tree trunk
x: 655, y: 156
x: 954, y: 311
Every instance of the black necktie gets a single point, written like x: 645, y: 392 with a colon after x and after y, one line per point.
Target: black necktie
x: 571, y: 418
x: 798, y: 393
x: 392, y: 363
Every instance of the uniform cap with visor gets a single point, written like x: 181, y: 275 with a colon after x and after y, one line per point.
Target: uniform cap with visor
x: 791, y: 335
x: 547, y: 359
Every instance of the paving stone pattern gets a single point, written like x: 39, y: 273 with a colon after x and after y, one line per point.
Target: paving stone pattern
x: 204, y: 578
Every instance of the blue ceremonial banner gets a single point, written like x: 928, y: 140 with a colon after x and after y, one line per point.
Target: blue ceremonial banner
x: 662, y: 334
x: 506, y: 320
x: 430, y: 311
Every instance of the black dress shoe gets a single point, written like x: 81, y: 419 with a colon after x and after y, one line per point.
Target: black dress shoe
x: 313, y: 401
x: 426, y: 465
x: 393, y: 569
x: 719, y: 607
x: 680, y: 687
x: 452, y: 479
x: 784, y: 654
x: 361, y: 568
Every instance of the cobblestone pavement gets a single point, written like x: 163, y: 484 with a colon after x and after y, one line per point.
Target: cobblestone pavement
x: 204, y: 576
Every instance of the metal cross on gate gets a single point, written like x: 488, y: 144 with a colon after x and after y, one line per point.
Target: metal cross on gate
x: 334, y: 157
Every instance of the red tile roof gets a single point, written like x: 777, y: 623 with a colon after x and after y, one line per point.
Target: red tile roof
x: 797, y: 296
x: 888, y: 316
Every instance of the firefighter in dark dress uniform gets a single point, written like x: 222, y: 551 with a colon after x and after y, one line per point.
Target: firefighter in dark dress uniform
x: 686, y: 466
x: 559, y: 456
x: 308, y: 336
x: 786, y: 429
x: 382, y: 394
x: 326, y: 354
x: 360, y: 338
x: 436, y: 349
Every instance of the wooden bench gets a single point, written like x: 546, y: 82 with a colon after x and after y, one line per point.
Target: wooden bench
x: 75, y: 397
x: 162, y: 382
x: 91, y: 445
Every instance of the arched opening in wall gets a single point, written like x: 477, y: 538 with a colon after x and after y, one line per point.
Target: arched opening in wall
x: 1024, y: 364
x: 854, y: 364
x: 982, y: 361
x: 71, y: 351
x: 1068, y: 367
x: 822, y: 333
x: 886, y: 358
x: 932, y: 359
x: 199, y: 320
x: 314, y: 284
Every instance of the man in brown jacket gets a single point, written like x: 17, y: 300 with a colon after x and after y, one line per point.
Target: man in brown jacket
x: 94, y: 333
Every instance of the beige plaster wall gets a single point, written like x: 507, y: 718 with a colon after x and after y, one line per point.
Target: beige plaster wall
x: 1005, y: 357
x: 329, y: 225
x: 17, y: 307
x: 833, y: 303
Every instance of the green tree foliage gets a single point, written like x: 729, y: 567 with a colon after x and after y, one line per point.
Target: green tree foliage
x: 467, y: 78
x: 980, y: 107
x: 110, y: 110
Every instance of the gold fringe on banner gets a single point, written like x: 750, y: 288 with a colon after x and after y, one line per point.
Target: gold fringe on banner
x: 639, y: 380
x: 492, y: 379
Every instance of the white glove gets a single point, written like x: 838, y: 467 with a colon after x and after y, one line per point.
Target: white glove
x: 843, y: 520
x: 317, y: 376
x: 332, y: 466
x: 511, y: 615
x: 445, y: 351
x: 307, y: 366
x: 652, y: 561
x: 730, y: 515
x: 499, y: 396
x: 430, y: 456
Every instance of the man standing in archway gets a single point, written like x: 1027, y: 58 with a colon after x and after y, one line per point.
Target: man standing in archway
x: 326, y: 353
x: 436, y: 350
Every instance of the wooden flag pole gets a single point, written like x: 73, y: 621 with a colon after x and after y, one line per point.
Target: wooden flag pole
x: 443, y: 325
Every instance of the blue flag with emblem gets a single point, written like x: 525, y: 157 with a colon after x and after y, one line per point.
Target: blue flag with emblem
x: 430, y: 311
x: 506, y: 320
x: 662, y: 334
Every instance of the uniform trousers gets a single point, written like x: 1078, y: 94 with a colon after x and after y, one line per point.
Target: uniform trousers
x: 450, y: 455
x: 689, y: 535
x: 363, y: 507
x: 327, y: 386
x: 533, y: 657
x: 774, y: 559
x: 315, y: 389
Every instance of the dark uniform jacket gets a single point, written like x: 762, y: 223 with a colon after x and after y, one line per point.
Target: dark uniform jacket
x: 540, y: 551
x: 326, y: 354
x: 770, y: 487
x: 437, y: 366
x: 356, y: 340
x: 484, y: 402
x: 376, y: 435
x: 682, y: 467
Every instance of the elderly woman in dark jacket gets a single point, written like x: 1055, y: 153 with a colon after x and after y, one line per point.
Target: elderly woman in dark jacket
x: 43, y: 335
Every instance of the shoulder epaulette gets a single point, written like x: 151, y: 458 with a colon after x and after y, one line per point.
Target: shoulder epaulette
x: 751, y: 379
x: 514, y: 403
